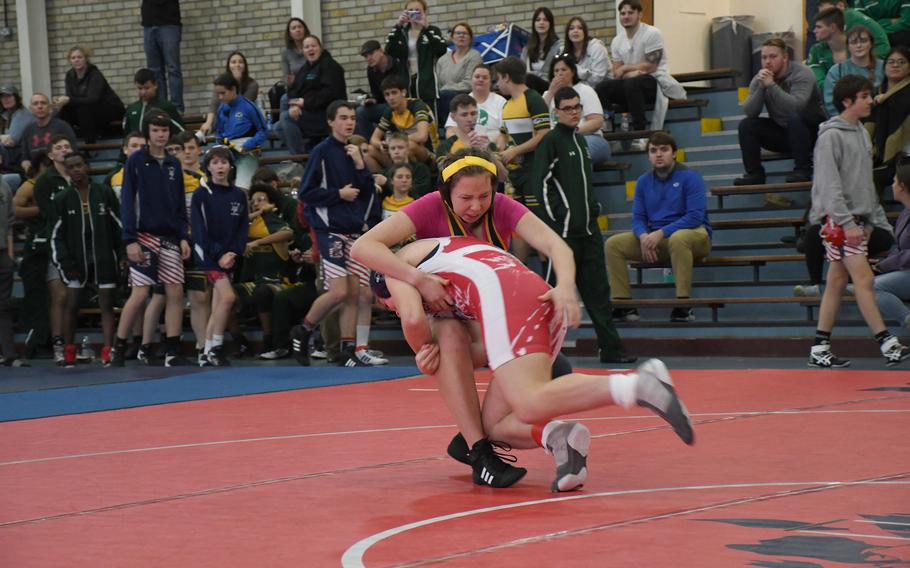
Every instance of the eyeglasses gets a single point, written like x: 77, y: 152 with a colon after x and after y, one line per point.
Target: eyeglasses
x: 575, y: 108
x: 858, y: 40
x: 895, y: 62
x: 461, y: 33
x: 173, y: 149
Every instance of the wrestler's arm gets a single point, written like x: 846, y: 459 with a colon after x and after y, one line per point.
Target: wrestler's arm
x: 409, y: 306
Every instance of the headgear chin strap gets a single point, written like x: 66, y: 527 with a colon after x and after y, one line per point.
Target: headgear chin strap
x: 462, y: 163
x: 378, y: 285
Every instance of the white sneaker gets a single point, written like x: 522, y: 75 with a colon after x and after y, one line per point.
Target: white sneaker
x: 276, y: 354
x: 807, y: 291
x: 319, y: 354
x: 366, y: 357
x: 568, y: 443
x: 639, y: 145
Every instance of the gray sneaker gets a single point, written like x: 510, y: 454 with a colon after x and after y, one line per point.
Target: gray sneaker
x: 279, y: 353
x: 654, y: 390
x: 807, y: 290
x: 568, y: 443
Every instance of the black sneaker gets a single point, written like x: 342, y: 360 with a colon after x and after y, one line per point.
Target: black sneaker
x: 799, y: 176
x: 175, y: 361
x: 894, y: 352
x: 749, y: 179
x: 144, y: 354
x: 131, y: 351
x: 458, y: 449
x: 821, y: 357
x: 655, y: 390
x: 683, y: 315
x: 217, y: 357
x: 350, y: 359
x: 300, y: 344
x: 117, y: 358
x: 490, y: 467
x: 202, y: 358
x: 625, y: 314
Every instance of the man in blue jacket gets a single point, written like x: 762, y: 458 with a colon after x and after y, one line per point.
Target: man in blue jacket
x: 153, y: 215
x: 669, y: 222
x: 340, y: 201
x: 240, y: 124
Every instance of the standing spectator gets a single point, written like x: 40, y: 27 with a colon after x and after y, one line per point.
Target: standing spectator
x: 86, y: 249
x: 543, y: 45
x: 589, y: 52
x: 892, y: 15
x: 90, y: 104
x: 248, y: 87
x: 641, y: 72
x: 887, y: 125
x: 414, y: 41
x: 241, y: 125
x: 830, y: 46
x: 861, y: 62
x: 789, y: 92
x: 13, y: 121
x: 33, y: 266
x: 161, y: 38
x: 292, y: 56
x: 562, y: 180
x: 411, y: 116
x: 455, y: 67
x: 379, y: 66
x: 892, y: 274
x: 669, y: 221
x: 156, y: 242
x: 37, y: 136
x: 318, y: 82
x: 565, y: 74
x: 147, y: 87
x: 8, y: 356
x: 844, y: 199
x: 339, y: 194
x: 489, y: 104
x: 220, y: 221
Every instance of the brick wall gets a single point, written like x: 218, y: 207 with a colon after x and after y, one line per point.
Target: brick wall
x: 214, y: 28
x: 9, y: 50
x: 348, y: 23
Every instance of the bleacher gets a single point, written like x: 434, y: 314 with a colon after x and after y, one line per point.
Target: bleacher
x: 739, y: 292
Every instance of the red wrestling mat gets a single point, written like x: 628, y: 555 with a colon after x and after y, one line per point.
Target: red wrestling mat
x: 790, y: 469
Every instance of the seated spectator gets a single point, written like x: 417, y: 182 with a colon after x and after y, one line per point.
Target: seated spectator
x: 565, y: 74
x: 292, y: 56
x: 887, y: 125
x: 265, y: 266
x: 641, y: 72
x: 318, y: 82
x: 831, y: 46
x: 892, y: 273
x: 415, y: 41
x: 379, y: 66
x: 37, y: 136
x: 149, y: 99
x: 489, y: 104
x: 464, y: 114
x: 861, y: 62
x: 13, y: 121
x: 131, y: 142
x: 401, y: 189
x: 400, y: 154
x: 669, y: 222
x: 590, y: 54
x: 892, y: 15
x: 249, y: 88
x: 292, y: 303
x: 787, y: 89
x: 411, y: 116
x: 86, y: 250
x: 90, y: 104
x: 543, y: 45
x: 455, y: 67
x: 240, y: 125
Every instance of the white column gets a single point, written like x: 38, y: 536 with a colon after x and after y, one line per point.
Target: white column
x: 310, y: 11
x: 34, y: 58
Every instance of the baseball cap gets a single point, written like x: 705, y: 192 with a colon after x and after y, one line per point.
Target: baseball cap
x: 369, y: 47
x: 9, y: 90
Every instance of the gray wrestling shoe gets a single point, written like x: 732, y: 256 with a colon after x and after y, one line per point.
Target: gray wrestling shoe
x: 568, y: 443
x: 654, y: 390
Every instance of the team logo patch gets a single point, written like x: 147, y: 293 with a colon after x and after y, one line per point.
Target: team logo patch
x: 235, y: 208
x: 336, y: 249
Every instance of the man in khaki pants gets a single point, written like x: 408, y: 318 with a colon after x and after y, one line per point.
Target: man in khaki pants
x: 669, y: 221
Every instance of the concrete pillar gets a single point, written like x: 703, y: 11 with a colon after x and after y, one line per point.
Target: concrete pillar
x: 34, y: 57
x: 310, y: 11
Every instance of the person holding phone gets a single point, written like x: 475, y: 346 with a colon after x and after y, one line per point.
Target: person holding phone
x: 414, y: 41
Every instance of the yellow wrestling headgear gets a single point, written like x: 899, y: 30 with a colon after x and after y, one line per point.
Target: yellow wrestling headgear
x: 464, y: 162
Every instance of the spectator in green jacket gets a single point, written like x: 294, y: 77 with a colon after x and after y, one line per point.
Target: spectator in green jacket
x: 832, y: 42
x: 147, y: 87
x: 892, y: 15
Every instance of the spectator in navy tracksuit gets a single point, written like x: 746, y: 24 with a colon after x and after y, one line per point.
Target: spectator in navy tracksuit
x: 220, y: 218
x: 340, y: 199
x: 240, y: 123
x: 153, y: 215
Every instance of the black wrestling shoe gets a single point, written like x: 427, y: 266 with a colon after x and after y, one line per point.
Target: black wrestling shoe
x: 217, y: 357
x: 458, y: 449
x: 300, y: 345
x: 654, y: 390
x: 490, y: 467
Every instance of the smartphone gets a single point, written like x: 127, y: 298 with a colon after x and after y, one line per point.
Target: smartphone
x: 414, y: 15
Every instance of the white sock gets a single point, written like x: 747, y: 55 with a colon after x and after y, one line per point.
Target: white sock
x: 208, y: 345
x: 363, y: 335
x: 622, y: 389
x: 217, y: 341
x: 546, y: 432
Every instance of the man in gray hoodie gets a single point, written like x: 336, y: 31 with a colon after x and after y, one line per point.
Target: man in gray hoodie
x: 845, y: 201
x: 790, y: 93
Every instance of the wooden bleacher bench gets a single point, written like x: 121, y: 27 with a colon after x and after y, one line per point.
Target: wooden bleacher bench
x: 98, y: 146
x: 716, y: 303
x: 708, y: 75
x: 728, y: 190
x: 609, y: 165
x: 629, y: 135
x: 698, y: 104
x: 755, y: 261
x: 266, y: 160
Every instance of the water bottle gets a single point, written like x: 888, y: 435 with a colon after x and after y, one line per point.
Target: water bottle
x: 626, y: 124
x: 267, y: 111
x: 608, y: 121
